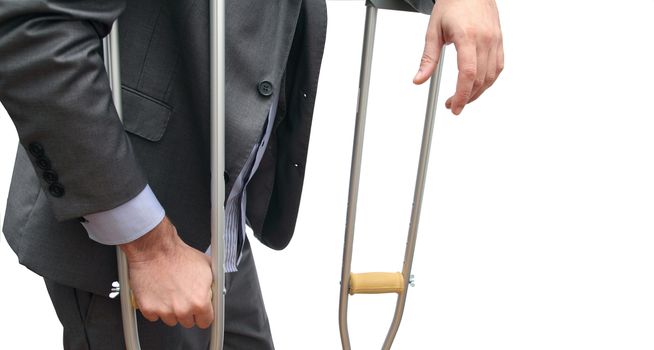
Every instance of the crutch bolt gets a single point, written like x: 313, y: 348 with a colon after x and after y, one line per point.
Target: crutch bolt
x: 412, y: 281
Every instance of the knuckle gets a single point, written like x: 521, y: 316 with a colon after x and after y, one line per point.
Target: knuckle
x: 172, y: 322
x: 203, y: 325
x: 426, y: 59
x: 183, y: 314
x: 152, y: 317
x: 490, y: 79
x: 459, y: 35
x: 463, y: 97
x: 204, y: 321
x: 478, y: 93
x: 469, y: 72
x: 186, y: 323
x: 486, y: 37
x: 182, y: 311
x: 148, y: 308
x: 200, y: 307
x: 166, y: 313
x: 470, y: 32
x: 430, y: 36
x: 168, y: 317
x: 144, y: 306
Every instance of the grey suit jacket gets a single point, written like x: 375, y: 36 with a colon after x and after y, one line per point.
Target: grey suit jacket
x: 75, y: 157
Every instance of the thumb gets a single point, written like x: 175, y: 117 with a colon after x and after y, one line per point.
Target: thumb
x: 431, y: 53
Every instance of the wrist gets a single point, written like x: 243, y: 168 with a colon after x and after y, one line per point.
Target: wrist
x: 158, y: 242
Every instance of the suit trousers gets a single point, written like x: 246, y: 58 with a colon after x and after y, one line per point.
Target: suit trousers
x: 93, y: 322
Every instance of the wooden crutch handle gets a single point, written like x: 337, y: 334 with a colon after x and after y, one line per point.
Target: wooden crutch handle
x: 376, y: 283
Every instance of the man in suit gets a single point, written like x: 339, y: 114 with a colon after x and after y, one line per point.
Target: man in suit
x: 83, y: 182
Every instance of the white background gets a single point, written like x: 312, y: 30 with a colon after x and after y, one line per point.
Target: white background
x: 537, y: 227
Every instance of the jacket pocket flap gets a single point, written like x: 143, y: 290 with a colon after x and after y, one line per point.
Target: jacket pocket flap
x: 143, y: 115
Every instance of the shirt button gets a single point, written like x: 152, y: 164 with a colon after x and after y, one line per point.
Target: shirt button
x: 57, y: 190
x: 44, y: 163
x: 265, y: 88
x: 50, y: 176
x: 36, y: 149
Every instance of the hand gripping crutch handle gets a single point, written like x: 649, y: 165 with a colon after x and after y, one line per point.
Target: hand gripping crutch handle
x: 217, y: 125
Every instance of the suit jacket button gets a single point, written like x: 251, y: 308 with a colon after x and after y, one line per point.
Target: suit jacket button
x: 43, y: 162
x: 50, y: 176
x: 265, y: 88
x: 57, y: 190
x: 36, y: 149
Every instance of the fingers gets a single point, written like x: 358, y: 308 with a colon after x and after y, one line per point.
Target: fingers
x: 489, y: 75
x: 473, y: 27
x: 176, y: 288
x: 185, y: 317
x: 168, y: 317
x: 477, y: 71
x: 198, y: 312
x: 494, y: 68
x: 467, y: 64
x: 152, y: 312
x: 204, y: 315
x: 482, y: 69
x: 431, y: 52
x: 148, y: 312
x: 500, y: 57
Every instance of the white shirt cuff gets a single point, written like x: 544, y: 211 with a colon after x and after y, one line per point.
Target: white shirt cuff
x: 126, y: 222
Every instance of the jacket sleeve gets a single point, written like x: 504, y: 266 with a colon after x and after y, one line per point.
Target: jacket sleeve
x: 54, y: 87
x: 422, y: 6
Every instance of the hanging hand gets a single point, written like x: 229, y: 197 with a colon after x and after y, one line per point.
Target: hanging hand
x: 474, y: 28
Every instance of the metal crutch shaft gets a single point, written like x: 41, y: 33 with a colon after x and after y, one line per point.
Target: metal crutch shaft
x: 382, y: 282
x: 112, y: 65
x: 355, y: 170
x: 217, y: 125
x: 217, y: 71
x: 417, y: 197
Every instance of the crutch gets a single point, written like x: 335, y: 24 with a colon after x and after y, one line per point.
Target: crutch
x: 217, y: 115
x: 382, y: 282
